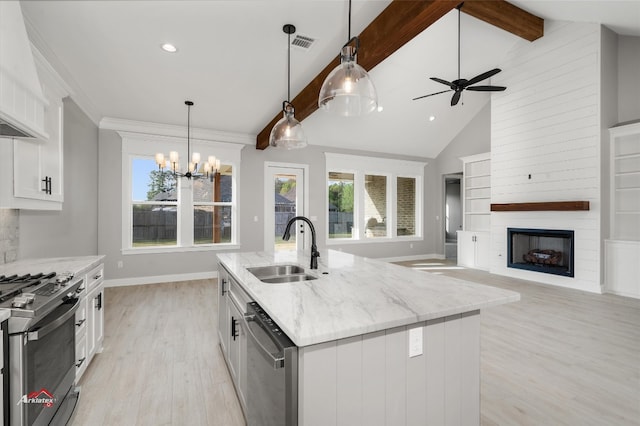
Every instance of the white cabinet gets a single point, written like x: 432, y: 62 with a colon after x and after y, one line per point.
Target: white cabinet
x: 622, y: 250
x: 2, y: 373
x: 95, y: 311
x: 223, y: 310
x: 81, y: 332
x: 473, y: 249
x: 473, y: 240
x: 232, y: 302
x: 32, y: 169
x: 90, y: 319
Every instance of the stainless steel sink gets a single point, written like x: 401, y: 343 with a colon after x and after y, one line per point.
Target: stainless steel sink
x: 288, y: 279
x: 278, y: 274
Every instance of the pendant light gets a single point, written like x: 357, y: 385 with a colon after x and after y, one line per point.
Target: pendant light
x: 209, y: 169
x: 348, y: 89
x: 288, y: 132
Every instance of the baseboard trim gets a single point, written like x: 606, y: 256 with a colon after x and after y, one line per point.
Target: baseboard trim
x: 622, y: 293
x: 122, y: 282
x: 412, y: 257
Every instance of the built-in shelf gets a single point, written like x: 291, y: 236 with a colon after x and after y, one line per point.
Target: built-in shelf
x: 477, y: 192
x: 541, y: 206
x: 625, y: 183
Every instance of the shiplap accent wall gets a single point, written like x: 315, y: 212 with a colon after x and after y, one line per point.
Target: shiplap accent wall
x: 545, y: 145
x: 371, y: 379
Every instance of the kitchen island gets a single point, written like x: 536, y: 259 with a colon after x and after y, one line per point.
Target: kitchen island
x: 377, y: 343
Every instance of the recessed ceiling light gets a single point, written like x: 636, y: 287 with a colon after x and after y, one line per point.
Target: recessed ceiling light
x: 380, y: 108
x: 168, y: 47
x: 432, y: 117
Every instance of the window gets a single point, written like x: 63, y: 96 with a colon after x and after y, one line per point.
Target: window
x: 340, y: 205
x: 154, y: 206
x: 373, y: 199
x: 375, y: 206
x: 213, y: 208
x: 161, y: 213
x: 406, y: 206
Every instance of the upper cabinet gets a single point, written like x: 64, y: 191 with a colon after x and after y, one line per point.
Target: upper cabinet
x: 31, y: 170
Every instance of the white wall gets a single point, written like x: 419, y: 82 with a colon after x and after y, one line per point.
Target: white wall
x: 628, y: 79
x: 72, y: 231
x: 148, y: 267
x: 547, y: 125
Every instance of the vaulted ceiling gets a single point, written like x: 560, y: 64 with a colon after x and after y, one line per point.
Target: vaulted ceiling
x: 232, y: 63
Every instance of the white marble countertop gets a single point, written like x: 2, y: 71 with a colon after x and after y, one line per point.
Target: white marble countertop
x: 357, y: 296
x: 4, y: 314
x: 76, y: 265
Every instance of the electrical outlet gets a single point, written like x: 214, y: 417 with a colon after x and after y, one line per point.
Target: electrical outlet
x: 410, y: 245
x: 255, y: 218
x: 120, y: 264
x: 415, y: 342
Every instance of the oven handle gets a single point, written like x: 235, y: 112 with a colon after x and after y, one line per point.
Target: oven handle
x: 43, y: 331
x: 277, y: 362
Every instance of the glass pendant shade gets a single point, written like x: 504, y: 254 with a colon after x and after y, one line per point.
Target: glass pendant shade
x: 348, y: 90
x: 288, y: 132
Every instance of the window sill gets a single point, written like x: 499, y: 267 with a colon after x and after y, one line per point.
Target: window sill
x: 176, y: 249
x: 341, y: 241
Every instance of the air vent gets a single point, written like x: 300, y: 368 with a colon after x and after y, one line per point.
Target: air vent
x: 303, y: 42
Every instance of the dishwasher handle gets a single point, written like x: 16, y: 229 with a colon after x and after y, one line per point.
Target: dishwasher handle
x: 277, y: 360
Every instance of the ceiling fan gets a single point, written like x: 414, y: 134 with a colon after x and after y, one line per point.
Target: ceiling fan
x: 457, y: 86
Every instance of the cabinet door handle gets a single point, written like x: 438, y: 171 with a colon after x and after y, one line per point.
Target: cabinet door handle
x: 79, y: 323
x: 234, y: 328
x: 80, y: 361
x: 47, y: 185
x: 222, y: 289
x: 98, y: 299
x: 97, y: 277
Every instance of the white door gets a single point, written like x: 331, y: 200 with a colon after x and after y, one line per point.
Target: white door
x: 284, y: 198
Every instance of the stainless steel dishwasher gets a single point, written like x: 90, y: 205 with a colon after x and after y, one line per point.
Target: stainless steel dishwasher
x: 272, y: 372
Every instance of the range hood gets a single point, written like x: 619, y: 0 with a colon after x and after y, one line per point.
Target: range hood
x: 22, y: 103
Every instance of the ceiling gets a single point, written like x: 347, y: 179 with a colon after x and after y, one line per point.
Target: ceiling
x: 232, y: 63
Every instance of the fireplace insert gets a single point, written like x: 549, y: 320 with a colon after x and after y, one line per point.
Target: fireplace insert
x: 542, y: 250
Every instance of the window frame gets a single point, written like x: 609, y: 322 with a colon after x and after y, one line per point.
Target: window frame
x: 138, y: 145
x: 360, y: 166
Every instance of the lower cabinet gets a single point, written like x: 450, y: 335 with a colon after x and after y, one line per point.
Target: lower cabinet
x: 90, y: 320
x: 232, y: 302
x: 621, y: 267
x: 95, y: 327
x: 473, y: 249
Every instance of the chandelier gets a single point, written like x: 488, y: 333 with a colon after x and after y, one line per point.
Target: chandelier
x: 172, y: 164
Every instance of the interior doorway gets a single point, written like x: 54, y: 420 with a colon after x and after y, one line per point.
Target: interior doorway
x: 452, y: 214
x: 285, y: 198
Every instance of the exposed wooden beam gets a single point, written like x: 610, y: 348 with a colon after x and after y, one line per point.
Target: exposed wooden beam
x: 503, y: 14
x: 558, y: 206
x: 400, y: 22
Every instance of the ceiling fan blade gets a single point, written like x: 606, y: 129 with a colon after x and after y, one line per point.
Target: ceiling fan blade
x: 425, y: 96
x: 487, y: 88
x: 439, y: 80
x: 455, y: 98
x: 482, y: 76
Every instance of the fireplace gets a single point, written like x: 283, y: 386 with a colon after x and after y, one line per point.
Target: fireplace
x: 542, y: 250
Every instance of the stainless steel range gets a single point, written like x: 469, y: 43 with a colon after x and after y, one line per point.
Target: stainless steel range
x: 41, y: 346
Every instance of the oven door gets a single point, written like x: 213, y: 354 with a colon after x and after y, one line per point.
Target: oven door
x: 46, y: 374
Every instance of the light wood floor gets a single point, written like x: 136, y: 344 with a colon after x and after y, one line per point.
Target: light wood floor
x: 161, y: 364
x: 557, y: 357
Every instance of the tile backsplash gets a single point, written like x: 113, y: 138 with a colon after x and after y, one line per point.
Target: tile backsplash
x: 9, y: 235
